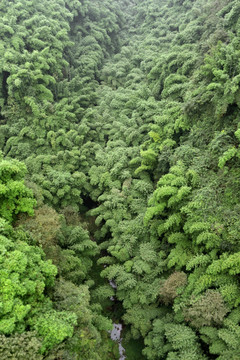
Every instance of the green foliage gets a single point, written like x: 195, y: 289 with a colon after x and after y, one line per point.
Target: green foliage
x: 125, y: 113
x: 54, y: 327
x: 184, y: 343
x: 25, y: 278
x: 20, y: 346
x: 44, y: 226
x: 208, y: 310
x: 170, y: 288
x: 224, y: 342
x: 15, y: 197
x: 172, y: 341
x: 87, y: 342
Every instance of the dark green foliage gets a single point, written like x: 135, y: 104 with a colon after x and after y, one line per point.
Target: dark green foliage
x: 169, y: 290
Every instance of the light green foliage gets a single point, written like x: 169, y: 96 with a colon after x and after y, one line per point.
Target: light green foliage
x: 54, y: 327
x: 15, y: 197
x: 25, y: 278
x: 166, y: 214
x: 19, y: 281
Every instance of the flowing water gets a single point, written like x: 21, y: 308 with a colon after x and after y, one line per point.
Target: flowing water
x: 117, y: 328
x: 116, y: 336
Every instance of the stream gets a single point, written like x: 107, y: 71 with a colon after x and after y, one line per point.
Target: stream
x: 117, y: 328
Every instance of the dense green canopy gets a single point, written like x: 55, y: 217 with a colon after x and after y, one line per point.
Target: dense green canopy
x: 119, y: 140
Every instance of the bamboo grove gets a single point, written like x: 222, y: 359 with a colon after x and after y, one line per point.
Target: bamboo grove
x: 119, y: 140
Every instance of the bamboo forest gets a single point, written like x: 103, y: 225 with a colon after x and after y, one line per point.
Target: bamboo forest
x: 119, y: 179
